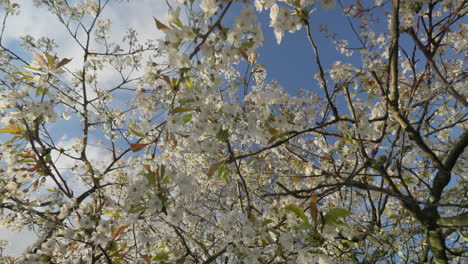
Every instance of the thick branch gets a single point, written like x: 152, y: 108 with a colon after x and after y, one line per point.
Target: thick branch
x: 442, y: 177
x: 393, y: 53
x: 454, y: 221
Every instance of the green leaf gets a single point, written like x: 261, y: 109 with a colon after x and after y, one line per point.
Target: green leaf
x: 248, y: 44
x: 332, y: 216
x: 36, y: 70
x: 137, y: 132
x: 299, y: 212
x: 23, y: 74
x: 214, y: 168
x: 222, y: 172
x: 13, y: 129
x: 161, y: 256
x: 7, y: 131
x: 38, y: 91
x: 223, y: 135
x: 189, y: 83
x: 50, y: 60
x: 150, y: 177
x: 180, y: 109
x: 187, y: 118
x: 48, y: 158
x: 274, y: 132
x: 178, y: 23
x: 136, y: 209
x: 166, y: 179
x: 110, y: 212
x: 26, y: 161
x: 359, y: 4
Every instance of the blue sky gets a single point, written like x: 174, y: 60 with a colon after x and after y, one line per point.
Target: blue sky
x: 292, y: 62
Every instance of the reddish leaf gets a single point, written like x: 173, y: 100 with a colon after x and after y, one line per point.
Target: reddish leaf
x: 36, y: 167
x: 314, y: 210
x: 118, y: 231
x: 243, y: 53
x: 253, y: 57
x: 13, y: 129
x: 180, y: 109
x: 160, y: 25
x: 147, y: 259
x: 63, y: 62
x: 138, y: 146
x: 39, y: 57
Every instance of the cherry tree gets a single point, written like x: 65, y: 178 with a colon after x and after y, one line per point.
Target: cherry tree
x: 192, y: 153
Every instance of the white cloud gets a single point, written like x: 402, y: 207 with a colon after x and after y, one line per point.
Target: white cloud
x: 96, y: 155
x: 38, y: 22
x: 18, y: 241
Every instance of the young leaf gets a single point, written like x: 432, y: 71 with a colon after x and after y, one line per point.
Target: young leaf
x: 118, y: 231
x: 13, y: 129
x: 359, y: 4
x: 35, y: 70
x: 223, y: 135
x: 161, y: 256
x: 314, y: 210
x: 272, y: 139
x: 180, y: 109
x: 63, y: 62
x: 7, y: 131
x: 248, y: 44
x: 50, y: 59
x: 332, y: 216
x: 243, y: 53
x: 160, y: 25
x: 187, y: 118
x: 298, y: 211
x: 147, y: 259
x: 138, y: 146
x: 137, y: 132
x: 39, y: 57
x: 168, y: 80
x: 34, y: 168
x: 178, y: 23
x: 23, y: 74
x: 213, y: 168
x: 150, y: 177
x: 136, y: 209
x: 253, y: 58
x: 39, y: 91
x: 222, y: 172
x: 189, y: 83
x: 274, y: 132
